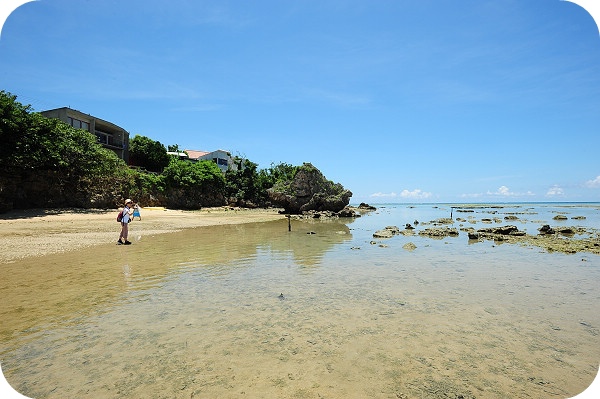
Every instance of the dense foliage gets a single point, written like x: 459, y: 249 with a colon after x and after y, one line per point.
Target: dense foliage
x: 193, y: 184
x: 247, y: 186
x: 148, y: 154
x: 33, y: 142
x: 47, y: 163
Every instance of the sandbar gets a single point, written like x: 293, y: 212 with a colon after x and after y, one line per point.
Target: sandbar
x: 39, y: 232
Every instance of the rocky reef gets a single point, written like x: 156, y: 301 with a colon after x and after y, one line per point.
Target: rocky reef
x: 564, y: 239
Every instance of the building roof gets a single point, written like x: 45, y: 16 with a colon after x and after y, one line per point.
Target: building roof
x: 83, y: 115
x: 194, y: 154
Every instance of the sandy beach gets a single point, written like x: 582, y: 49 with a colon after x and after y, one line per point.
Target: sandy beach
x: 40, y: 232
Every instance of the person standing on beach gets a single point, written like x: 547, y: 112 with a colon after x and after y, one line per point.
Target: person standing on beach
x: 127, y: 212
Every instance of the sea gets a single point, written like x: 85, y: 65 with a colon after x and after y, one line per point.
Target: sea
x: 315, y: 308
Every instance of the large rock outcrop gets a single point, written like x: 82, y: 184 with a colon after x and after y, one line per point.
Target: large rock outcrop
x: 309, y: 190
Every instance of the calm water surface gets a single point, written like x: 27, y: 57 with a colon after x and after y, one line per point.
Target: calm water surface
x: 255, y: 311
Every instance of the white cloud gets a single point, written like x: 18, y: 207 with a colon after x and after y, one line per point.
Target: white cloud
x: 555, y: 190
x: 595, y: 183
x: 504, y: 191
x: 384, y: 195
x: 415, y: 194
x: 475, y: 195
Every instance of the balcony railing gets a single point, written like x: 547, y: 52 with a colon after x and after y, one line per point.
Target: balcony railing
x: 108, y: 140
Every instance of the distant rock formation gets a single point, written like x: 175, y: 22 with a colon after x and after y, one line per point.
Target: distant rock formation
x: 366, y: 207
x: 309, y: 190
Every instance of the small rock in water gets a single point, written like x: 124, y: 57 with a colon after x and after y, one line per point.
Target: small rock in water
x: 409, y: 246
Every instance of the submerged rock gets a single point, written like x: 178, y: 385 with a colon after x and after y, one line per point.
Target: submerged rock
x: 387, y: 232
x: 409, y: 246
x: 439, y: 232
x: 473, y: 236
x: 502, y: 230
x: 546, y: 229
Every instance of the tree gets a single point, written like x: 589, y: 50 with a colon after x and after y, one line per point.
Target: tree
x: 147, y: 153
x: 192, y: 185
x: 242, y: 182
x: 46, y: 162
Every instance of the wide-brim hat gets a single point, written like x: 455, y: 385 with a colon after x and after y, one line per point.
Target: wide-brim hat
x: 127, y: 201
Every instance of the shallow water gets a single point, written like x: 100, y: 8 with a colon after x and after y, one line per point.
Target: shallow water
x: 256, y: 311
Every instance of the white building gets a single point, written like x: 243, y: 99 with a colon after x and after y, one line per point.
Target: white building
x: 222, y: 158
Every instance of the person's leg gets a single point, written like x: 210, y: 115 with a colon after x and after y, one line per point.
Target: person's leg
x: 124, y: 231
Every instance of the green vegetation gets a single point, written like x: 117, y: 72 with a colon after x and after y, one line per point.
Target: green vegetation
x: 47, y: 163
x: 148, y: 154
x: 247, y: 186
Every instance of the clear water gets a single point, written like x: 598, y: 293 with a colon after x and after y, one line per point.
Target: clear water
x: 256, y: 311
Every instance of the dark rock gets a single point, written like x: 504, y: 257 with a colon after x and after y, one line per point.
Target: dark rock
x: 348, y: 213
x: 501, y: 230
x: 309, y: 190
x: 366, y: 207
x: 546, y: 229
x: 566, y: 231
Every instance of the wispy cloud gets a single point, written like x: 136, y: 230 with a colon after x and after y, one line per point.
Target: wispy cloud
x: 555, y: 191
x: 504, y: 191
x: 472, y: 195
x: 384, y: 195
x: 415, y: 194
x: 594, y: 183
x: 405, y: 194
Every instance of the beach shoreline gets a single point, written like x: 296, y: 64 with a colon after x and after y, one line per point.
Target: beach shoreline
x: 39, y: 232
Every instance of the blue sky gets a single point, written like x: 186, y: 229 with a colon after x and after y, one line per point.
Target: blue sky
x: 399, y: 101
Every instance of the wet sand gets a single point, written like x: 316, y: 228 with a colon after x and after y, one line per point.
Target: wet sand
x: 42, y: 232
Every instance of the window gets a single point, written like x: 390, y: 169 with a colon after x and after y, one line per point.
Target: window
x: 78, y: 124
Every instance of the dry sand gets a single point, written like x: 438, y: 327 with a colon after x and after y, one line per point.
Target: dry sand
x: 42, y: 232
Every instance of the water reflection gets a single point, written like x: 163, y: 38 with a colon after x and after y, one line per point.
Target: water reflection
x: 62, y: 287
